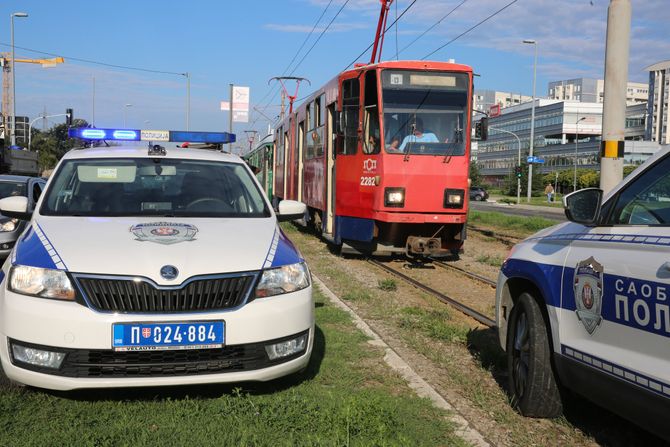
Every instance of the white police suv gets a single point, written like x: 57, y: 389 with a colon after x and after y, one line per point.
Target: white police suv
x: 147, y: 266
x: 586, y: 304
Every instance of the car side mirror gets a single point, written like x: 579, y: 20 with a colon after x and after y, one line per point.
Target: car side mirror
x: 583, y: 206
x: 16, y: 206
x: 290, y: 210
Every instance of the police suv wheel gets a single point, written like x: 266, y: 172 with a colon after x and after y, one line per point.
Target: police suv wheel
x: 532, y: 384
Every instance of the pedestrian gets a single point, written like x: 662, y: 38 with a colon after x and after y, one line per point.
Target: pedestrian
x: 549, y: 191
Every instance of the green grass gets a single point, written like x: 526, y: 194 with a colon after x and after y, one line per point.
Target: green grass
x: 346, y: 397
x: 525, y: 225
x: 493, y: 260
x: 387, y: 285
x: 435, y: 323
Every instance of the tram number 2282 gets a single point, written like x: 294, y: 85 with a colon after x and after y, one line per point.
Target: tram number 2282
x: 369, y: 181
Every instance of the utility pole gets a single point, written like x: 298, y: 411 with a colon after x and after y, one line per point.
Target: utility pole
x: 283, y: 98
x: 230, y: 118
x: 614, y: 104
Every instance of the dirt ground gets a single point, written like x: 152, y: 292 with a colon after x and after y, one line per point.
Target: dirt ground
x: 468, y: 368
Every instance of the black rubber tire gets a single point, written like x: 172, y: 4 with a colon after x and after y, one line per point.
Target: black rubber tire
x: 532, y: 383
x: 478, y: 198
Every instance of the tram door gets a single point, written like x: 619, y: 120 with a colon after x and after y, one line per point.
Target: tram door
x: 298, y: 179
x: 330, y: 168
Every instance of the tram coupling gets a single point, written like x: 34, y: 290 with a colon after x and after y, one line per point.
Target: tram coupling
x: 424, y: 246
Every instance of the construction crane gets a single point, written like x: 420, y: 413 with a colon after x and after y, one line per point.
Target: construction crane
x: 6, y: 64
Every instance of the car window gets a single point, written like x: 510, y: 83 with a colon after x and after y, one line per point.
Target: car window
x: 153, y: 187
x: 37, y: 191
x: 646, y: 200
x: 8, y: 189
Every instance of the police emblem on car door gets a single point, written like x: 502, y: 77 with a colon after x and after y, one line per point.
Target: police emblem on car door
x: 588, y: 287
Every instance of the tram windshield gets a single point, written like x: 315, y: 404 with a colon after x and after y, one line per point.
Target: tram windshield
x: 425, y: 113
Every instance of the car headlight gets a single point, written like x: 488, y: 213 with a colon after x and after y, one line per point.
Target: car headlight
x: 8, y: 226
x: 285, y: 279
x: 394, y: 197
x: 44, y: 283
x: 453, y: 198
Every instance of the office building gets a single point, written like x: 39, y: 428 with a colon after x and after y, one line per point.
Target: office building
x: 593, y: 90
x: 657, y: 105
x: 484, y: 99
x: 564, y: 131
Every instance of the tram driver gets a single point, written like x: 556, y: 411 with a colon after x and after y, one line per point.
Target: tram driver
x: 418, y: 135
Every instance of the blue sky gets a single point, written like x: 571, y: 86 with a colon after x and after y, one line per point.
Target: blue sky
x: 248, y: 42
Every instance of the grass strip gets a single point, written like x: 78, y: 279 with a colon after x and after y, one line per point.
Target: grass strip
x: 523, y: 225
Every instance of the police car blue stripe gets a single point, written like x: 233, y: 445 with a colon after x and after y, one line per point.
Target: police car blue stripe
x: 286, y: 252
x: 662, y: 241
x: 2, y: 276
x: 651, y: 384
x: 35, y: 250
x: 547, y: 276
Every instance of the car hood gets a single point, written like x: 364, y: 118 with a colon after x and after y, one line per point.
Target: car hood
x: 141, y: 246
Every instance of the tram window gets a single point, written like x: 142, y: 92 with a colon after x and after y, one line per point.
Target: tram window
x: 280, y: 148
x: 371, y: 142
x: 350, y: 115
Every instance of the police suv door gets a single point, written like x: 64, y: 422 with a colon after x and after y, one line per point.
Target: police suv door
x: 616, y: 297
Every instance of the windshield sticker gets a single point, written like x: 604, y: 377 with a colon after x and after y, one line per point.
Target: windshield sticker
x: 107, y: 173
x: 164, y: 232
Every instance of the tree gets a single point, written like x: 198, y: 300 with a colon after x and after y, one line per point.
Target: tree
x: 54, y: 143
x: 475, y: 175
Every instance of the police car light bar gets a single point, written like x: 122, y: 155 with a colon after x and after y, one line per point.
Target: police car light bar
x: 87, y: 133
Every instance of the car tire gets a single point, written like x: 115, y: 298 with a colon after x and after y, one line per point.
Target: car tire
x: 532, y: 383
x: 478, y: 198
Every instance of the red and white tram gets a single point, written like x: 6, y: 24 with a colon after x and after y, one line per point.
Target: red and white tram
x: 380, y: 155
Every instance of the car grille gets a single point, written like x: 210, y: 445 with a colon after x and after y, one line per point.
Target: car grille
x: 90, y: 363
x: 132, y: 295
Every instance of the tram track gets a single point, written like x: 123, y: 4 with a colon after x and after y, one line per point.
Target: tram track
x: 462, y: 271
x: 506, y: 239
x: 469, y: 311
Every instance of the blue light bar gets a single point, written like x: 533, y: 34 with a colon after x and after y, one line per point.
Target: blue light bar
x: 202, y: 137
x: 87, y: 133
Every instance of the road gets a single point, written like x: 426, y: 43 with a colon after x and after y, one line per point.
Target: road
x: 556, y: 214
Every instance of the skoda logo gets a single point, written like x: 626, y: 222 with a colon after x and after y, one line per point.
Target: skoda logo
x: 169, y: 272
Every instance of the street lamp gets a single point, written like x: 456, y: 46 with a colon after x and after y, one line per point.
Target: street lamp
x: 532, y: 119
x: 574, y: 179
x: 30, y: 126
x: 15, y: 14
x: 188, y: 99
x: 518, y: 179
x: 125, y: 109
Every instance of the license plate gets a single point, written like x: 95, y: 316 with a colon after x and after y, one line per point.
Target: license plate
x: 163, y: 336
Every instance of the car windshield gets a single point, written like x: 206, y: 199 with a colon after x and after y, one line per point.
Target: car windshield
x: 153, y: 187
x: 8, y: 189
x: 425, y: 112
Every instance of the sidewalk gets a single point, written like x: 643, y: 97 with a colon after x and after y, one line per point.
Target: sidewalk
x: 494, y: 200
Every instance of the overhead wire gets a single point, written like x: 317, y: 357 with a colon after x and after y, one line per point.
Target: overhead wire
x: 90, y: 61
x: 433, y: 25
x: 387, y: 28
x: 470, y: 29
x: 274, y: 90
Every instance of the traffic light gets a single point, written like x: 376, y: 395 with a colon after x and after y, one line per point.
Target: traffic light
x: 517, y: 171
x: 482, y: 129
x: 69, y: 118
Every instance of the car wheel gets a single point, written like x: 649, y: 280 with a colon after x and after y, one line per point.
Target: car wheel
x: 532, y: 383
x: 478, y: 198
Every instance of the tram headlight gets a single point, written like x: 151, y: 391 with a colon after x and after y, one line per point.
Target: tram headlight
x: 394, y: 197
x: 453, y: 198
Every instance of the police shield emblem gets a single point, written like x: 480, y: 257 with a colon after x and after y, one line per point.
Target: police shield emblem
x: 588, y: 287
x: 164, y: 232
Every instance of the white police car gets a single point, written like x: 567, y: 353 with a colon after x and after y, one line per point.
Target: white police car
x: 586, y: 304
x: 146, y: 266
